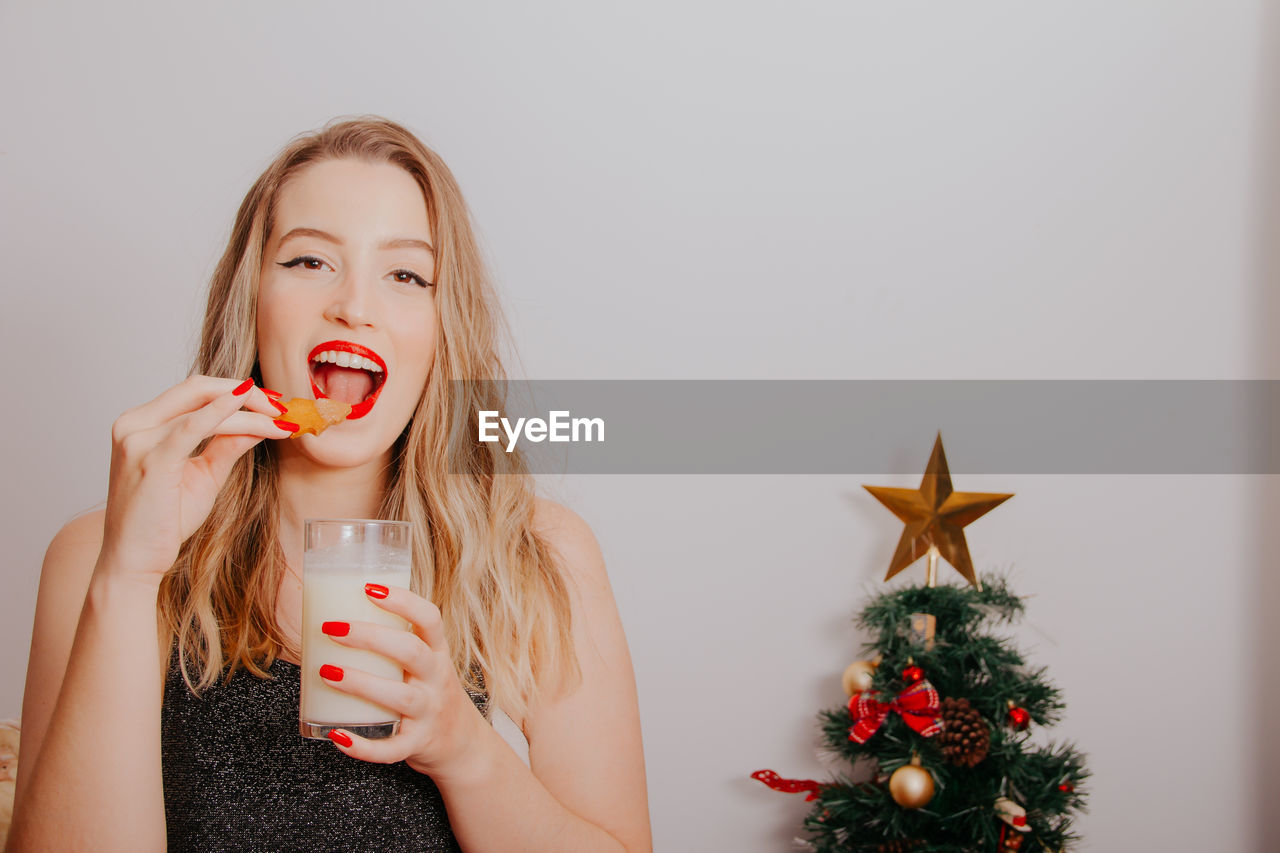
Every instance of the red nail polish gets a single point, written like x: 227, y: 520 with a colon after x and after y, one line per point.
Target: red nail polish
x: 376, y: 590
x: 331, y: 672
x: 271, y: 393
x: 336, y: 629
x: 340, y: 738
x: 281, y: 406
x: 286, y: 426
x: 243, y: 387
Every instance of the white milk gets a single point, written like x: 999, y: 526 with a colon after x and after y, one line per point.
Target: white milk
x: 333, y: 591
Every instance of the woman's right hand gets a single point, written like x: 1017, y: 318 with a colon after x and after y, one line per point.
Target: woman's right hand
x: 159, y: 493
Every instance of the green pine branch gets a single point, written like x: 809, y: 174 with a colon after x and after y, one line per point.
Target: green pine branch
x: 967, y: 661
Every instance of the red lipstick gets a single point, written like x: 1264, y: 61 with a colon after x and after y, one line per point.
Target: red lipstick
x: 359, y: 410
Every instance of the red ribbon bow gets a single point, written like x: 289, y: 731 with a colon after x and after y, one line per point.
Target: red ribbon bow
x: 918, y: 704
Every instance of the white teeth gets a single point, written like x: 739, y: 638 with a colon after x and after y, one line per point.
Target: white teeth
x: 347, y: 359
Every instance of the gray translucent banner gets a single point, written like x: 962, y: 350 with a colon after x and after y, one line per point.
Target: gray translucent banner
x: 880, y: 426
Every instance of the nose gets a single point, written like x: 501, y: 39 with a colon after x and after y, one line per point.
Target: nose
x: 351, y: 302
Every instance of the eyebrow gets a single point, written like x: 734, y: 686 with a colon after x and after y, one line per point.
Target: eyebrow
x: 396, y: 243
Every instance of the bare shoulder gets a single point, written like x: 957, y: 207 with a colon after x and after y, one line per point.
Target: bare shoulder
x: 77, y: 543
x: 64, y: 581
x: 584, y: 742
x: 69, y: 562
x: 573, y: 541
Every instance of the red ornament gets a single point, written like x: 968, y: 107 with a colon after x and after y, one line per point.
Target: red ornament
x: 912, y: 674
x: 1018, y: 717
x: 1066, y: 787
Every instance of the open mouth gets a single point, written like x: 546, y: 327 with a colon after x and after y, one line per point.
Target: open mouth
x: 341, y: 370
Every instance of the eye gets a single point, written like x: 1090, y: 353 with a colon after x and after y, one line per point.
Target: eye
x: 407, y: 276
x: 309, y: 262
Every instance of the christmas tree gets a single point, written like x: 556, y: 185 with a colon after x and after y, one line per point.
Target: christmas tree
x: 941, y: 718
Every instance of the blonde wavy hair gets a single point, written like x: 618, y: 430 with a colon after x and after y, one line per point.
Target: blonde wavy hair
x: 504, y: 603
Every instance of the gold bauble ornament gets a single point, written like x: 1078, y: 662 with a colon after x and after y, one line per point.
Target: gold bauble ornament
x: 857, y: 677
x: 911, y: 786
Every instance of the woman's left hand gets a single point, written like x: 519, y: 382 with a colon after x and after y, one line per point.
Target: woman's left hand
x: 439, y: 722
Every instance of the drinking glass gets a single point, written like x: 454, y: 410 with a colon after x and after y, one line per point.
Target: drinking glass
x: 340, y: 557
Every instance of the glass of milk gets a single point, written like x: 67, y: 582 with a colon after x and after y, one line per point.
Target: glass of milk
x: 340, y: 557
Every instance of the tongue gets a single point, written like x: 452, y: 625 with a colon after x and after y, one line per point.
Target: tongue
x: 348, y: 384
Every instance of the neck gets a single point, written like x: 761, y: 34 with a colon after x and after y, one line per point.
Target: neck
x: 308, y: 490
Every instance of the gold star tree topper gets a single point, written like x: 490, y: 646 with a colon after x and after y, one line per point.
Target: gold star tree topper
x: 935, y: 517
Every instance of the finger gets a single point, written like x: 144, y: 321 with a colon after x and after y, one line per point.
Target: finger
x: 187, y: 431
x: 187, y: 396
x: 252, y: 423
x: 258, y: 400
x: 422, y: 614
x: 222, y: 452
x: 405, y: 699
x: 404, y: 647
x: 388, y: 750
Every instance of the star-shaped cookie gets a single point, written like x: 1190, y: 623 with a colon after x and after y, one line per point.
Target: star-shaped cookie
x: 314, y: 416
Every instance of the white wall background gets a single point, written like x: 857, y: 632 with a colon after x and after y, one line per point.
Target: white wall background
x: 691, y: 190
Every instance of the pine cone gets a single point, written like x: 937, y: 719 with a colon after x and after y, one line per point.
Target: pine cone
x: 965, y: 736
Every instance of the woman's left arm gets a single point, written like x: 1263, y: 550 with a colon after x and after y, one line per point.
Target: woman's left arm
x: 584, y: 788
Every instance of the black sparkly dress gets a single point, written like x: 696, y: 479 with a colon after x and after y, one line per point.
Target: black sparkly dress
x: 238, y: 776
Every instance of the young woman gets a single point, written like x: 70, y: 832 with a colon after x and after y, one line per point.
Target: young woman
x: 161, y: 697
